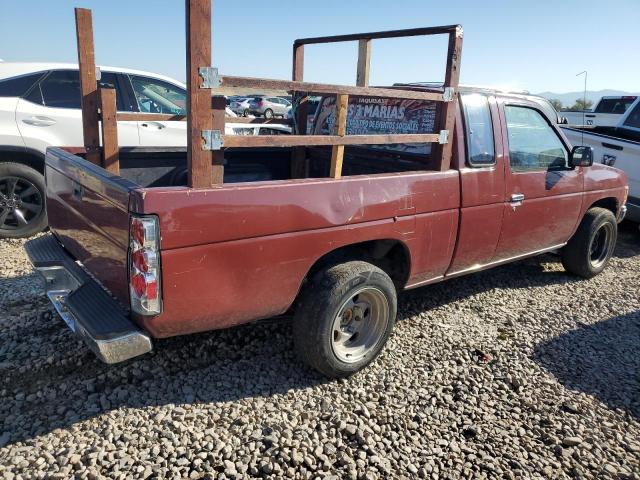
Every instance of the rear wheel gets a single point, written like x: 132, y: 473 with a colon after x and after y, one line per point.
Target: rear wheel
x: 268, y: 113
x: 590, y: 249
x: 245, y: 113
x: 344, y: 318
x: 22, y: 207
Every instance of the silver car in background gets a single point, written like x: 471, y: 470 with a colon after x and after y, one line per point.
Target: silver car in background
x: 269, y: 107
x: 240, y: 105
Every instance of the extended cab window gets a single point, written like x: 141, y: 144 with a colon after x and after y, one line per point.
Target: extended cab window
x: 157, y: 96
x: 533, y: 144
x: 479, y: 130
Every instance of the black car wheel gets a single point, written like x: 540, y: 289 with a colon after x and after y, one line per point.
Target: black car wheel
x: 590, y: 249
x: 22, y: 207
x: 268, y: 113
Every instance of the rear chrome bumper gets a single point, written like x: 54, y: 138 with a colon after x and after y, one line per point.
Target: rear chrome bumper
x: 84, y: 305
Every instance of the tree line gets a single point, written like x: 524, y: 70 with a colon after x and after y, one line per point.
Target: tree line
x: 579, y: 105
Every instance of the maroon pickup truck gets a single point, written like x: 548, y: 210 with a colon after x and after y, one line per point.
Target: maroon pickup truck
x: 138, y: 256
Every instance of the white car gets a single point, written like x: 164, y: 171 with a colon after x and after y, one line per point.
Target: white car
x: 40, y: 107
x: 240, y: 106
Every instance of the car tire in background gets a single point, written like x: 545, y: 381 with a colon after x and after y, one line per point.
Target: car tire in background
x: 589, y: 250
x: 344, y: 318
x: 268, y: 113
x: 22, y: 201
x: 245, y: 113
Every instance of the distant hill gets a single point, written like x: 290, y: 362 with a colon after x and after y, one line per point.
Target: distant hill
x: 569, y: 98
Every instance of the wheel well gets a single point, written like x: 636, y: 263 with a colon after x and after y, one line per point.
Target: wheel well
x: 610, y: 203
x: 391, y: 256
x: 31, y: 158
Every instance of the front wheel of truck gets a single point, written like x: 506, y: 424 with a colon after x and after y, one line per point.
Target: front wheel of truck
x: 344, y: 318
x: 590, y: 249
x: 22, y: 195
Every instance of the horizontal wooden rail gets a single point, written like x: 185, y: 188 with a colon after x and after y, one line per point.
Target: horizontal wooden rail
x: 316, y: 140
x: 408, y: 32
x: 259, y: 120
x: 322, y: 88
x: 149, y: 117
x: 162, y: 117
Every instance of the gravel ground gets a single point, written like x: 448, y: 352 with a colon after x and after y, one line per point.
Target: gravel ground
x: 517, y: 372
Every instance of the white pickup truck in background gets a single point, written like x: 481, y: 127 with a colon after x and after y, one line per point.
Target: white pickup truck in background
x: 607, y: 112
x: 617, y: 146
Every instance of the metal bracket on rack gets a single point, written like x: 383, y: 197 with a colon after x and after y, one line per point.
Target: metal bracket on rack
x: 448, y: 94
x: 210, y: 77
x: 212, y: 140
x: 444, y: 137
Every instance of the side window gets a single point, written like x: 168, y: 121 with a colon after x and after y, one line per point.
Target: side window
x: 18, y: 86
x: 633, y: 119
x: 479, y: 130
x: 109, y: 80
x: 61, y: 89
x: 156, y: 96
x: 533, y: 144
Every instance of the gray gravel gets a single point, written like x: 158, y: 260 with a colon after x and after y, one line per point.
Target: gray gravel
x: 518, y: 372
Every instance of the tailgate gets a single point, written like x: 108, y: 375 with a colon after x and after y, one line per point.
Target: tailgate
x: 88, y: 210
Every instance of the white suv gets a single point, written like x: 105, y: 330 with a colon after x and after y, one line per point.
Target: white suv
x: 40, y: 107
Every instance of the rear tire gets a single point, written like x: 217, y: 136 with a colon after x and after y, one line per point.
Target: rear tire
x: 22, y: 201
x: 344, y: 318
x: 268, y: 113
x: 590, y: 249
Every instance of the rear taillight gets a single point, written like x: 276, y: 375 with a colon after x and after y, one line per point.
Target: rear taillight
x: 144, y: 265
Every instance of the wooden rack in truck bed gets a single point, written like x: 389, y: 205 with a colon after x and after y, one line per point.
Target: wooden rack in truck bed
x: 386, y: 189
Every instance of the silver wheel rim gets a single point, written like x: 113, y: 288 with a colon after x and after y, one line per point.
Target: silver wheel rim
x: 360, y: 324
x: 601, y: 245
x: 20, y: 203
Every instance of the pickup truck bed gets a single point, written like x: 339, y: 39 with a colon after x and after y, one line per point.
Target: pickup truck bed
x: 263, y: 243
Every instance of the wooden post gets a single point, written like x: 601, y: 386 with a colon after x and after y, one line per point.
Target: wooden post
x: 88, y: 84
x: 110, y: 159
x: 299, y: 164
x: 218, y: 107
x: 199, y: 118
x: 340, y: 128
x: 364, y: 62
x: 447, y: 115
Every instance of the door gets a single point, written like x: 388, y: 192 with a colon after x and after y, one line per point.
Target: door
x: 157, y: 96
x: 50, y: 115
x: 543, y: 195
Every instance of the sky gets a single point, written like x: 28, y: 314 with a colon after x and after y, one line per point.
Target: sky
x: 534, y: 45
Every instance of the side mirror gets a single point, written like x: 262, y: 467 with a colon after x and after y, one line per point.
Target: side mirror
x: 581, y: 156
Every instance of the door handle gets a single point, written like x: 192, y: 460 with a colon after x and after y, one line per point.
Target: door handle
x: 38, y: 121
x: 517, y: 197
x: 157, y: 125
